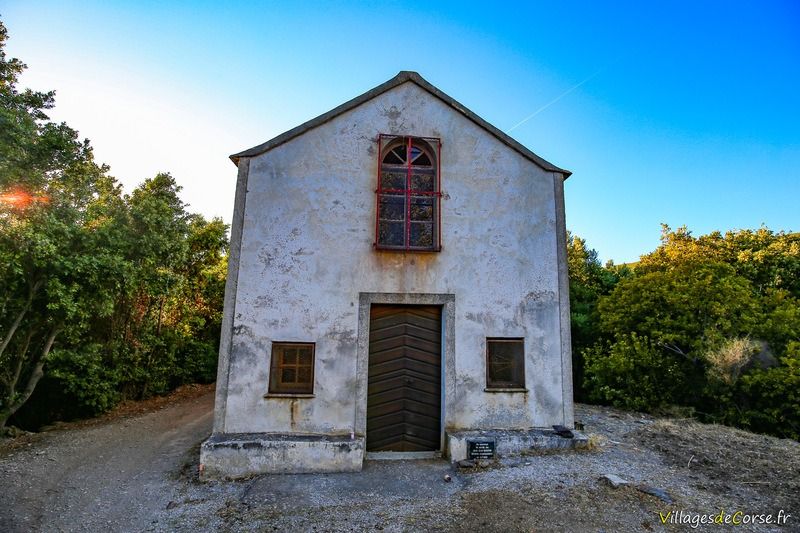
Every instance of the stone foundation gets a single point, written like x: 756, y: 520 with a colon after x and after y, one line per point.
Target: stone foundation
x: 513, y: 442
x: 235, y: 455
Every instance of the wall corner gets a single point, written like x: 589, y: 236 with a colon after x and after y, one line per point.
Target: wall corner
x: 231, y: 284
x: 563, y: 297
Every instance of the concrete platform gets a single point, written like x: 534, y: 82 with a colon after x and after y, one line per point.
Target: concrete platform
x: 513, y: 442
x: 235, y: 455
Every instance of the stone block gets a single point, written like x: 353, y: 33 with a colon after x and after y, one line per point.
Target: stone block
x: 236, y: 455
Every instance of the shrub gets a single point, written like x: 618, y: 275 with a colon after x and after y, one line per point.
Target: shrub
x: 770, y: 398
x: 633, y: 373
x: 85, y: 377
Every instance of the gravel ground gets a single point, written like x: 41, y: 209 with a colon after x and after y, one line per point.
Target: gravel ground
x: 112, y: 474
x: 139, y: 474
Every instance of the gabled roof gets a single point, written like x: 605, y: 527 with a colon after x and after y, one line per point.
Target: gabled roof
x: 401, y: 78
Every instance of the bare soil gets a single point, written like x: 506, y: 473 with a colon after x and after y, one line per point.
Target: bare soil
x: 136, y: 470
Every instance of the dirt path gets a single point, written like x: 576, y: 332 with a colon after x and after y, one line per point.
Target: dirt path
x: 115, y: 475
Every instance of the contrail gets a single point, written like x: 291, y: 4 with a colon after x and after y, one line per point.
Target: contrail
x: 553, y: 101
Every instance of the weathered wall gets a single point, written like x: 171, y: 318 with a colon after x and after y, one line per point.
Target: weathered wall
x: 240, y: 455
x: 307, y: 252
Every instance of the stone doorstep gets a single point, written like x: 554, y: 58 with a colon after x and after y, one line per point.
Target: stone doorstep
x: 513, y: 442
x: 236, y: 455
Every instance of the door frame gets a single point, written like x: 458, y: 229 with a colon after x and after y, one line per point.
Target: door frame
x: 448, y: 349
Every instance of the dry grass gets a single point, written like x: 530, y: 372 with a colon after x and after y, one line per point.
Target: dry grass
x: 727, y: 361
x: 596, y: 441
x: 728, y: 458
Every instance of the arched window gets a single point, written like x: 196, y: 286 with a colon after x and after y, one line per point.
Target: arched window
x: 408, y: 194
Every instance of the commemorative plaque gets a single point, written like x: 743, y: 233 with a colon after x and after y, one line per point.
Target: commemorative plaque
x: 480, y: 449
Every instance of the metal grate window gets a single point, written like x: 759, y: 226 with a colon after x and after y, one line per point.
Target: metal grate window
x: 408, y: 194
x: 505, y: 363
x: 292, y: 368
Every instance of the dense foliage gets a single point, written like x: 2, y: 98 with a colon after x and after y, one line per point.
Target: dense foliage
x: 709, y: 325
x: 103, y: 295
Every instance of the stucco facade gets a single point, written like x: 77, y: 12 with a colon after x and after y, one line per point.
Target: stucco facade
x: 304, y: 268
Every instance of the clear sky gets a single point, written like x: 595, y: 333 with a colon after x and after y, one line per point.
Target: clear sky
x: 683, y: 113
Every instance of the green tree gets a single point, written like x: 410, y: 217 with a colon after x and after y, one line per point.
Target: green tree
x: 103, y: 296
x: 588, y: 280
x: 686, y: 309
x: 195, y: 313
x: 768, y: 259
x: 164, y: 330
x: 57, y: 205
x: 718, y: 313
x: 633, y: 372
x: 769, y: 399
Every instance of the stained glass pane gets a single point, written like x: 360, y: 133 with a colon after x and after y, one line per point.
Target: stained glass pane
x: 422, y: 182
x: 392, y: 207
x: 391, y: 233
x: 422, y: 208
x: 393, y: 180
x: 422, y: 234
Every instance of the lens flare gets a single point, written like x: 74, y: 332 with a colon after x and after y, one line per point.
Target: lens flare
x: 19, y: 199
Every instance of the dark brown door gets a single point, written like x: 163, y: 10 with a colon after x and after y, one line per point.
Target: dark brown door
x: 405, y: 373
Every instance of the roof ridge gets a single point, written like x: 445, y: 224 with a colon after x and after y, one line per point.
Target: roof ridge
x: 402, y: 77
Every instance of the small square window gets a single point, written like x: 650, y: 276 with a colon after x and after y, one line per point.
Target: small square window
x: 505, y: 363
x: 292, y: 368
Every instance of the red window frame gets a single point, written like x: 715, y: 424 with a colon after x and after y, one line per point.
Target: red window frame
x: 384, y: 141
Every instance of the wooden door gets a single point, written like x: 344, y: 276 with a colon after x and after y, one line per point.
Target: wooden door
x: 405, y: 373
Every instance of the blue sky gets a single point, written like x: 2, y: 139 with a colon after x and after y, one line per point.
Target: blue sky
x: 688, y: 112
